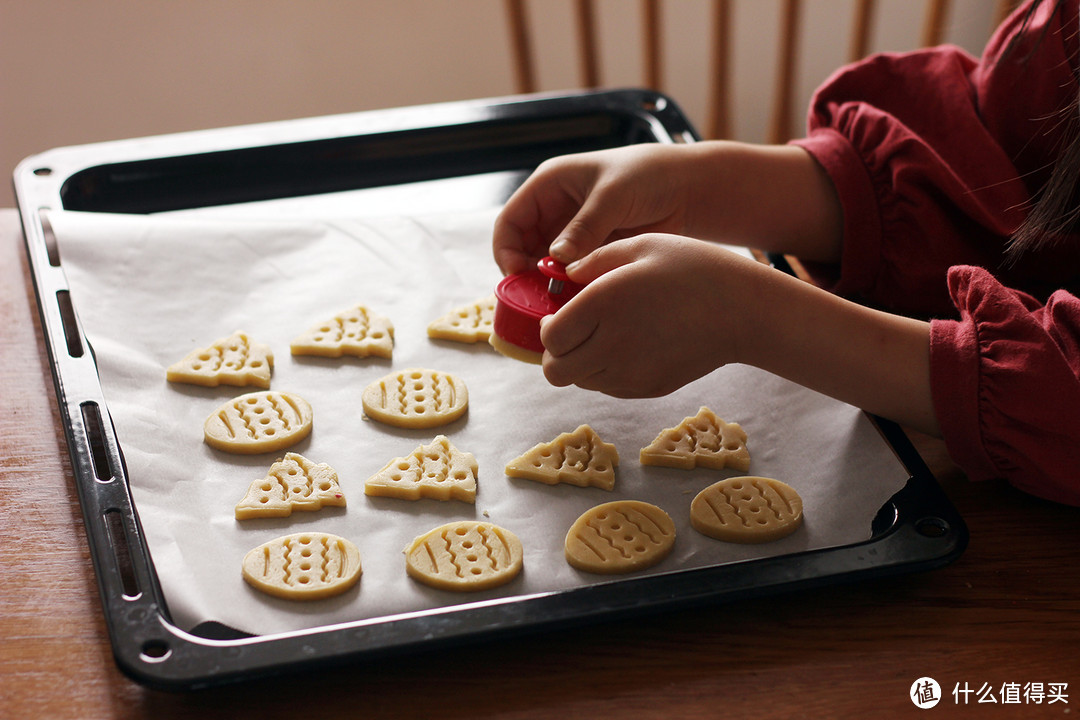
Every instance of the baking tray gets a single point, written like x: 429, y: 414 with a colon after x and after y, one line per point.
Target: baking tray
x: 460, y: 155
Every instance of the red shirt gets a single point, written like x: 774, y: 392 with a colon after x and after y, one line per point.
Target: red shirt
x: 936, y: 156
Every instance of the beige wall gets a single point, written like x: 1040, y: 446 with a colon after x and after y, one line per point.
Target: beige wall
x: 82, y: 71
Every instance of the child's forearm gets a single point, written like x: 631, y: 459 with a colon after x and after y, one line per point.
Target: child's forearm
x: 778, y: 199
x: 771, y: 197
x: 871, y: 359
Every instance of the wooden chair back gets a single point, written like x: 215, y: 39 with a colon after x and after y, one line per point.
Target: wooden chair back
x: 718, y: 123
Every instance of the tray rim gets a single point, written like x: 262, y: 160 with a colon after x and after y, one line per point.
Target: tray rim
x: 924, y: 531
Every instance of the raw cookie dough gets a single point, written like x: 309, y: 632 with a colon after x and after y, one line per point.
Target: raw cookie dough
x: 620, y: 536
x: 438, y: 470
x: 514, y: 352
x: 464, y: 556
x: 467, y: 324
x: 357, y: 331
x: 233, y: 360
x: 747, y: 510
x: 303, y: 566
x: 579, y: 458
x: 416, y: 398
x: 703, y: 440
x: 293, y: 483
x: 265, y: 421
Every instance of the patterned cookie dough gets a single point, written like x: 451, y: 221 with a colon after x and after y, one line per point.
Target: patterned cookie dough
x: 579, y: 458
x: 620, y: 537
x: 747, y: 510
x: 265, y: 421
x: 357, y: 331
x: 233, y: 360
x: 293, y: 483
x: 466, y: 324
x: 438, y: 470
x: 465, y: 556
x: 416, y: 398
x: 703, y: 440
x: 303, y: 566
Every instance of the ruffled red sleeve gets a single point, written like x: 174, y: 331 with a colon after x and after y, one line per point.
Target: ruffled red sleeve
x: 936, y: 156
x: 920, y: 179
x: 1005, y: 379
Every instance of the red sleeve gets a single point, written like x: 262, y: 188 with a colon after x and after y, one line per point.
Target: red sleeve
x: 1005, y: 379
x: 904, y: 177
x: 935, y: 156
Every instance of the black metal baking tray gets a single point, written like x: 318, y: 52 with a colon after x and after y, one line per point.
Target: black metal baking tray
x: 440, y: 151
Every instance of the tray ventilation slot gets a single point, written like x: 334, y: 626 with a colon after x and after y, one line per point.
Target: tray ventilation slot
x: 118, y: 541
x: 96, y: 441
x: 71, y: 328
x: 51, y: 247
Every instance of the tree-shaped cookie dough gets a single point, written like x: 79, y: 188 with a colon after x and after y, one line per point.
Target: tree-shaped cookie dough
x: 703, y: 440
x: 466, y: 324
x: 579, y: 458
x: 438, y: 470
x: 232, y: 360
x: 293, y: 483
x: 357, y: 331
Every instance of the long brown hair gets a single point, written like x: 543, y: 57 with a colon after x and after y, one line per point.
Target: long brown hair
x: 1056, y: 208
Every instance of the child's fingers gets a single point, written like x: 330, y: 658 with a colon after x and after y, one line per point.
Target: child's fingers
x: 515, y: 235
x: 591, y: 227
x: 577, y: 338
x: 582, y: 356
x: 606, y: 258
x: 564, y: 334
x: 511, y: 252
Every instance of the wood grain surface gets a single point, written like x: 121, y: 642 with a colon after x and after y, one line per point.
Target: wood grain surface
x: 1008, y: 611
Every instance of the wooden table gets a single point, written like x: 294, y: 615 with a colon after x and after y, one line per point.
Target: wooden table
x: 1007, y: 612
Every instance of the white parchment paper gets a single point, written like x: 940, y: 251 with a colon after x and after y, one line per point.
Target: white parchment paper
x: 150, y: 289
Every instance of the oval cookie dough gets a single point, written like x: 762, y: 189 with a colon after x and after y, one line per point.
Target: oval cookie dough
x: 265, y: 421
x: 303, y: 566
x: 465, y: 556
x: 620, y: 536
x: 416, y: 398
x: 747, y: 510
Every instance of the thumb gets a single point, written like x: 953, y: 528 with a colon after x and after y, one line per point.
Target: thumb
x: 603, y: 260
x: 588, y: 230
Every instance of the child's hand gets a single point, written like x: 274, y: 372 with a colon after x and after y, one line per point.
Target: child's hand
x: 573, y: 204
x: 659, y: 312
x: 774, y: 198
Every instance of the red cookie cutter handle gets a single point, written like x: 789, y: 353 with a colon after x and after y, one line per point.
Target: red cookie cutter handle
x: 555, y: 271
